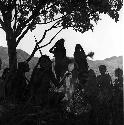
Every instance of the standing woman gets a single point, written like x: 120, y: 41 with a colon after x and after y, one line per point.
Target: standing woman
x: 61, y: 61
x: 81, y: 104
x: 81, y: 60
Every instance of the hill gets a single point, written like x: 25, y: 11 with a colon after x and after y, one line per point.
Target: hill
x: 21, y: 56
x: 111, y: 63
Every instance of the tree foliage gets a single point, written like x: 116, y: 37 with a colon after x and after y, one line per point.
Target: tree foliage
x: 74, y: 13
x: 18, y: 16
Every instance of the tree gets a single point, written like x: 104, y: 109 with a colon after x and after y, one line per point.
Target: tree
x: 19, y: 16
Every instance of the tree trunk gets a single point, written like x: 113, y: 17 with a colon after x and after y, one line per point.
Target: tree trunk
x: 11, y: 41
x: 12, y: 58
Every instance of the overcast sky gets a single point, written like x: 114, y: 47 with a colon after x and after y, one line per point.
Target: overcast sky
x: 105, y: 40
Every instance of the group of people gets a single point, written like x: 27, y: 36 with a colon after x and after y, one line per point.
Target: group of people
x: 63, y: 79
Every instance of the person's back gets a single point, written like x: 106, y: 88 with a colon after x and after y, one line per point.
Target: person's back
x: 59, y: 52
x: 118, y: 97
x: 58, y: 49
x: 118, y: 82
x: 61, y: 67
x: 91, y: 85
x: 41, y: 80
x: 104, y: 95
x: 81, y: 59
x: 104, y: 81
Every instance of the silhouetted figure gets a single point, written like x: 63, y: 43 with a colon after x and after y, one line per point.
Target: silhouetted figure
x: 117, y: 104
x: 118, y: 83
x: 20, y: 82
x: 5, y: 73
x: 3, y: 78
x: 104, y: 96
x: 61, y: 61
x: 91, y: 90
x: 58, y: 49
x: 81, y: 60
x: 42, y: 80
x: 2, y: 84
x: 91, y: 85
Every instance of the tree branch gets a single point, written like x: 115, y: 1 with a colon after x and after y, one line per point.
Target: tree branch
x: 32, y: 54
x: 51, y: 39
x: 23, y: 34
x: 46, y: 32
x: 35, y: 13
x: 52, y: 20
x: 37, y: 45
x: 15, y: 16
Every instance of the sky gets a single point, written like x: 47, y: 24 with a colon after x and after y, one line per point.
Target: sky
x: 105, y: 41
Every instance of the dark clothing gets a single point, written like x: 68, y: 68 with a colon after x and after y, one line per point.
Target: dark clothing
x: 58, y: 49
x: 81, y: 60
x: 104, y: 81
x: 18, y: 85
x: 41, y: 78
x: 61, y: 66
x: 41, y: 81
x: 117, y: 103
x: 104, y: 99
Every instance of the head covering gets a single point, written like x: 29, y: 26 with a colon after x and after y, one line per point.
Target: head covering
x: 58, y: 48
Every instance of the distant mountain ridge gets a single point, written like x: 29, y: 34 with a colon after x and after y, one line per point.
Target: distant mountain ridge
x: 21, y: 56
x: 111, y: 63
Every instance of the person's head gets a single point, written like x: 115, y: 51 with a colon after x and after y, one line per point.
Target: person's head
x: 58, y: 49
x: 23, y: 67
x: 45, y: 61
x: 79, y: 52
x: 77, y: 46
x: 118, y: 72
x: 102, y: 69
x: 60, y: 43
